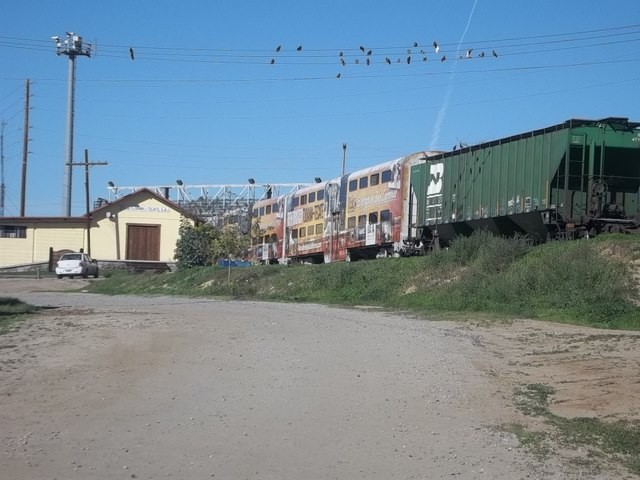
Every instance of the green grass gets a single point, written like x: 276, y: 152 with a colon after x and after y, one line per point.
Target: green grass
x: 12, y: 311
x: 619, y: 441
x: 588, y: 282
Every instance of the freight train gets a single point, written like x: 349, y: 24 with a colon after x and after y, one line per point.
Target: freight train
x: 571, y: 180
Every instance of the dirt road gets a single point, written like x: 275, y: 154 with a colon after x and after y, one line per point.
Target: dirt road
x: 132, y: 387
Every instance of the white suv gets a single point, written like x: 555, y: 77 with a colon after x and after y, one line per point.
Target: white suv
x: 71, y: 264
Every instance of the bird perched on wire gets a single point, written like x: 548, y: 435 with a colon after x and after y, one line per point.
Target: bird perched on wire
x: 388, y: 60
x: 299, y: 49
x: 494, y: 54
x: 444, y: 57
x: 278, y: 48
x: 436, y: 47
x: 468, y: 54
x: 273, y: 60
x: 131, y: 53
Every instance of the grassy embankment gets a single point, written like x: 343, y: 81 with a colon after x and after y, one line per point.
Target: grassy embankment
x: 589, y: 282
x: 12, y: 310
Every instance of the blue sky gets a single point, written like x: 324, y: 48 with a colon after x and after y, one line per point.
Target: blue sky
x: 202, y: 101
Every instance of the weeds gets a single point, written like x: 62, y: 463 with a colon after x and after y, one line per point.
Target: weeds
x: 563, y: 281
x: 619, y: 440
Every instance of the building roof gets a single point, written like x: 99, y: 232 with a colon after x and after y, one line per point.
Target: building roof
x: 103, y: 208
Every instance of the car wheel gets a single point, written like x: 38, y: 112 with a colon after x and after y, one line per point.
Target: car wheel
x: 85, y: 274
x: 95, y: 275
x: 71, y: 277
x: 59, y: 276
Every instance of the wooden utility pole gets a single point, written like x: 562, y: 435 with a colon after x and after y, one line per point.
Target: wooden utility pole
x: 86, y: 165
x: 25, y: 152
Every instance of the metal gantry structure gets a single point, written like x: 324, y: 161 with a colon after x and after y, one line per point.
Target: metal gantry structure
x: 217, y: 204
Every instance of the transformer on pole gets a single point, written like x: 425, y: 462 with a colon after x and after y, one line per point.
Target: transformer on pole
x: 72, y: 46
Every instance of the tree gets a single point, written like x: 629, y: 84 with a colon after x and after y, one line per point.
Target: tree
x: 230, y: 243
x: 194, y: 247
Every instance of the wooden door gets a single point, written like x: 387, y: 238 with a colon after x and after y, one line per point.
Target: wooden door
x: 143, y: 242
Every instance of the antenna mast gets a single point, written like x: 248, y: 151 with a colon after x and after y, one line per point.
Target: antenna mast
x: 2, y: 125
x: 71, y: 47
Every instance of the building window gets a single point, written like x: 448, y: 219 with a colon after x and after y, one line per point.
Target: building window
x: 375, y: 179
x: 373, y: 217
x: 294, y: 233
x: 13, y: 231
x: 385, y: 216
x: 351, y: 222
x: 318, y: 229
x: 353, y: 185
x: 303, y: 232
x: 312, y: 197
x: 386, y: 176
x: 320, y: 195
x: 364, y: 182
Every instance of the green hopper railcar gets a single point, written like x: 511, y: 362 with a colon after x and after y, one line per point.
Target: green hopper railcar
x: 577, y: 178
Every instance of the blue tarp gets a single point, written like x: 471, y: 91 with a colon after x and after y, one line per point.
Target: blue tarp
x: 234, y: 263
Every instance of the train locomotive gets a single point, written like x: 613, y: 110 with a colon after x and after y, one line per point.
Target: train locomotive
x: 571, y: 180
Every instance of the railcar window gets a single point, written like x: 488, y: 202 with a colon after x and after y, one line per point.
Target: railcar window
x: 261, y: 211
x: 275, y: 208
x: 294, y: 233
x: 320, y: 195
x: 386, y: 176
x: 312, y: 197
x: 375, y: 179
x: 303, y: 232
x: 255, y: 212
x: 296, y: 201
x: 373, y: 217
x: 364, y: 182
x: 318, y: 228
x: 267, y: 209
x: 351, y: 222
x: 353, y: 185
x: 385, y: 216
x: 303, y: 200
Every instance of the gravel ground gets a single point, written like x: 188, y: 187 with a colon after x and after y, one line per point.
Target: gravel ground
x: 125, y: 387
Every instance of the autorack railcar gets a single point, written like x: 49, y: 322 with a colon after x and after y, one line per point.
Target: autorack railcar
x: 574, y: 179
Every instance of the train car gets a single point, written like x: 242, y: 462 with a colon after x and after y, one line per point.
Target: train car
x: 267, y: 227
x: 577, y: 178
x: 370, y: 211
x: 304, y: 224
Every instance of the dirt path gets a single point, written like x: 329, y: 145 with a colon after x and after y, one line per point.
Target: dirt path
x: 131, y: 387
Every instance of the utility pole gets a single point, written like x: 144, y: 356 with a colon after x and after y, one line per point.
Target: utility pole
x: 86, y: 165
x: 71, y: 47
x: 25, y: 152
x: 344, y: 157
x: 2, y: 125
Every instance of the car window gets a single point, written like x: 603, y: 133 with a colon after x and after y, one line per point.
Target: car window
x: 71, y: 256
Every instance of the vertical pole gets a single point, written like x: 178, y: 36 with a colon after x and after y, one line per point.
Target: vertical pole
x: 344, y: 157
x: 86, y: 191
x: 2, y: 125
x: 25, y: 150
x: 67, y: 187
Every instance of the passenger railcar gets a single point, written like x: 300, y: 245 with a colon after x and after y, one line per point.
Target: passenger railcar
x: 577, y: 178
x: 359, y: 215
x: 267, y: 228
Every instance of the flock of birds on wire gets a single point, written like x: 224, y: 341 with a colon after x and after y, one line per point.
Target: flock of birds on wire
x: 368, y: 52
